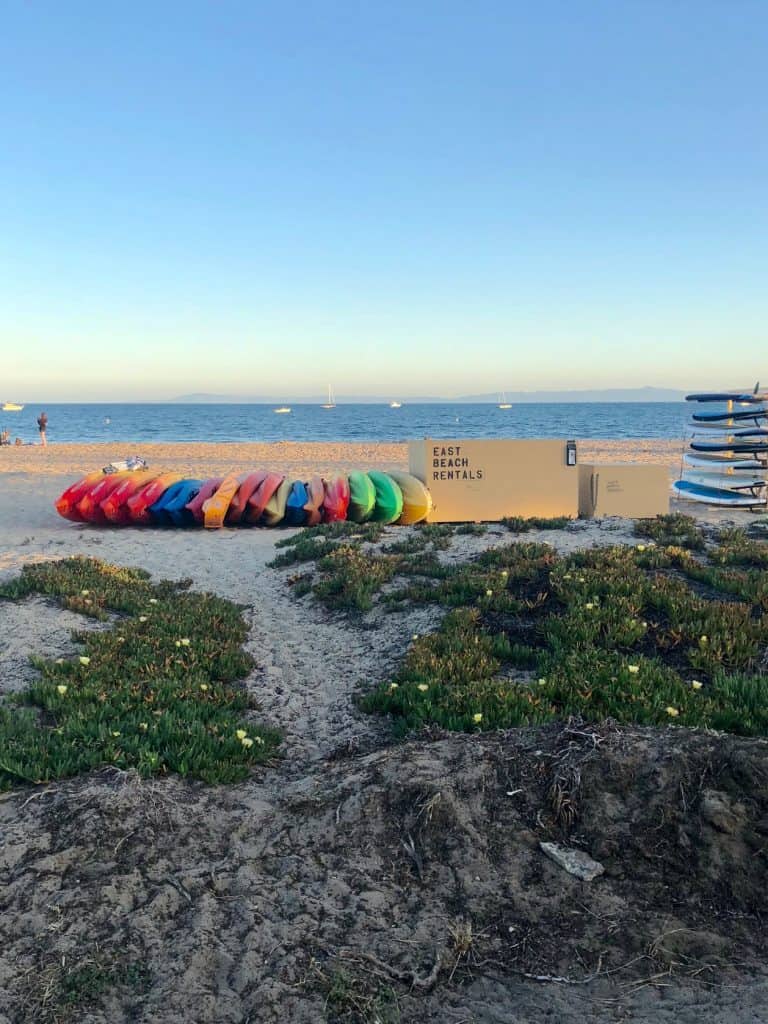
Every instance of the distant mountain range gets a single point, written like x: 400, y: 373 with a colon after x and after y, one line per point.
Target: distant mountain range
x: 644, y: 394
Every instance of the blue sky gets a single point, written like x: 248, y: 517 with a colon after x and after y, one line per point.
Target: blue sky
x: 405, y: 198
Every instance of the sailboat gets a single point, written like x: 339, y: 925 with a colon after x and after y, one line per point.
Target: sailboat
x: 12, y: 407
x: 282, y: 409
x: 395, y: 405
x: 503, y: 403
x: 331, y: 403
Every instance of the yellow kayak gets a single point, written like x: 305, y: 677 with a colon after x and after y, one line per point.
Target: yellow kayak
x: 417, y: 501
x: 274, y: 510
x: 217, y: 506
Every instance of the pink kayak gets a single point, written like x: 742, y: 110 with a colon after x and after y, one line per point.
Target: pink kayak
x: 237, y: 507
x: 208, y: 489
x: 336, y: 500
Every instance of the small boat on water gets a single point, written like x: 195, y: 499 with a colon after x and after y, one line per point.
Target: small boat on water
x: 503, y: 403
x: 12, y: 407
x: 331, y: 403
x: 282, y: 409
x: 395, y: 405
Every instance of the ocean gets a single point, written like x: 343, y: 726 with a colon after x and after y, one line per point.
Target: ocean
x: 133, y: 423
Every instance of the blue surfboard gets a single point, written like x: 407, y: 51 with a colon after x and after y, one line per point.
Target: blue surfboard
x: 690, y: 491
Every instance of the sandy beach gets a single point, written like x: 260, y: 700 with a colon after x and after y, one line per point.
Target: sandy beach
x: 241, y: 892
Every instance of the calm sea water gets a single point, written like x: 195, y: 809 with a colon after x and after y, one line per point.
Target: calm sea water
x: 133, y: 423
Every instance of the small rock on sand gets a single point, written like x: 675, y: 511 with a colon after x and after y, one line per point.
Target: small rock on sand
x: 575, y: 862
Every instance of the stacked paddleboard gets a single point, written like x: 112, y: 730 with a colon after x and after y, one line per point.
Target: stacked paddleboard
x: 140, y: 497
x: 727, y: 458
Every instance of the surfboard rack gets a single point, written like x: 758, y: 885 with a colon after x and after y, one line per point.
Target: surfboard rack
x: 730, y: 467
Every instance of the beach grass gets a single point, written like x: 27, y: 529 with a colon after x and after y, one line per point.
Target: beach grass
x: 155, y: 691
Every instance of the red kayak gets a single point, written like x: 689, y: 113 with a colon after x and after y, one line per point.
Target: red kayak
x: 336, y: 501
x: 66, y: 505
x: 315, y: 499
x: 208, y: 489
x: 115, y: 507
x: 89, y: 505
x: 258, y: 500
x: 138, y: 504
x: 238, y: 504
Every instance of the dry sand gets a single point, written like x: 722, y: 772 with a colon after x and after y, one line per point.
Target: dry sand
x: 229, y: 894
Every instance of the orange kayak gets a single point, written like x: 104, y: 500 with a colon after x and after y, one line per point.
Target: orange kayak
x: 236, y: 511
x: 66, y: 505
x: 89, y: 506
x: 336, y: 500
x: 217, y: 506
x: 315, y: 498
x: 196, y: 505
x: 115, y: 506
x: 258, y: 500
x: 138, y: 504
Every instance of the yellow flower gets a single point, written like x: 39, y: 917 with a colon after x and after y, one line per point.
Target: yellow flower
x: 85, y: 593
x: 696, y: 684
x: 121, y: 639
x: 115, y: 733
x: 143, y: 726
x: 634, y: 669
x: 84, y: 660
x: 204, y: 687
x: 423, y: 687
x: 415, y: 636
x: 241, y: 734
x: 142, y: 618
x: 641, y: 547
x: 542, y: 682
x: 246, y: 741
x: 185, y: 641
x: 589, y: 605
x: 178, y: 643
x: 477, y: 717
x: 393, y: 686
x: 672, y: 712
x: 567, y: 576
x: 489, y: 593
x: 61, y: 690
x: 504, y: 572
x: 704, y: 639
x: 259, y: 740
x: 153, y: 600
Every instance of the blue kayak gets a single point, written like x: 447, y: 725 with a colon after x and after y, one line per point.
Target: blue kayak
x: 175, y: 509
x: 295, y: 513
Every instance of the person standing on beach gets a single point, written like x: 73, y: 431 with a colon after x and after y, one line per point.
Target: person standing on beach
x: 42, y: 426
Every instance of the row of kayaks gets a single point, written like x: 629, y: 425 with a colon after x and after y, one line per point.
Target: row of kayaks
x: 144, y: 498
x: 728, y: 451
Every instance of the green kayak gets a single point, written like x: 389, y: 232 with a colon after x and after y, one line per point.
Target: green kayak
x: 362, y: 497
x: 389, y: 498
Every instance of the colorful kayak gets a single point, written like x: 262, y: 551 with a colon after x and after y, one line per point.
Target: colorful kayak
x: 260, y: 498
x: 176, y: 509
x: 217, y: 506
x: 274, y: 510
x: 295, y: 514
x: 237, y: 507
x: 417, y: 501
x: 138, y: 505
x: 389, y: 498
x: 716, y: 495
x: 89, y: 506
x: 336, y: 499
x: 195, y: 505
x: 176, y: 497
x: 315, y: 499
x: 115, y: 507
x: 66, y: 505
x: 362, y: 497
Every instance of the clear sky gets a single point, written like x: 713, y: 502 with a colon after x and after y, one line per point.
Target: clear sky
x: 396, y: 197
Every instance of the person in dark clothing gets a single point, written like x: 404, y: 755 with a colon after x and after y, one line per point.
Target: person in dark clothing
x: 42, y: 426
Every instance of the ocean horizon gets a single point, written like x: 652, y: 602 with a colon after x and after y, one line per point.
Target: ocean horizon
x: 229, y: 422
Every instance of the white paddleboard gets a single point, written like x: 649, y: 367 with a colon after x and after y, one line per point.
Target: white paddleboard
x: 730, y: 481
x: 717, y: 462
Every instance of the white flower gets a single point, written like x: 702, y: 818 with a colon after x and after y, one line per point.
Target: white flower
x: 672, y: 712
x: 696, y: 684
x: 634, y: 669
x: 477, y: 717
x: 247, y: 741
x: 142, y: 618
x: 241, y: 734
x: 589, y: 606
x: 489, y: 593
x: 423, y: 687
x: 85, y: 593
x: 153, y: 600
x: 61, y: 690
x: 84, y: 660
